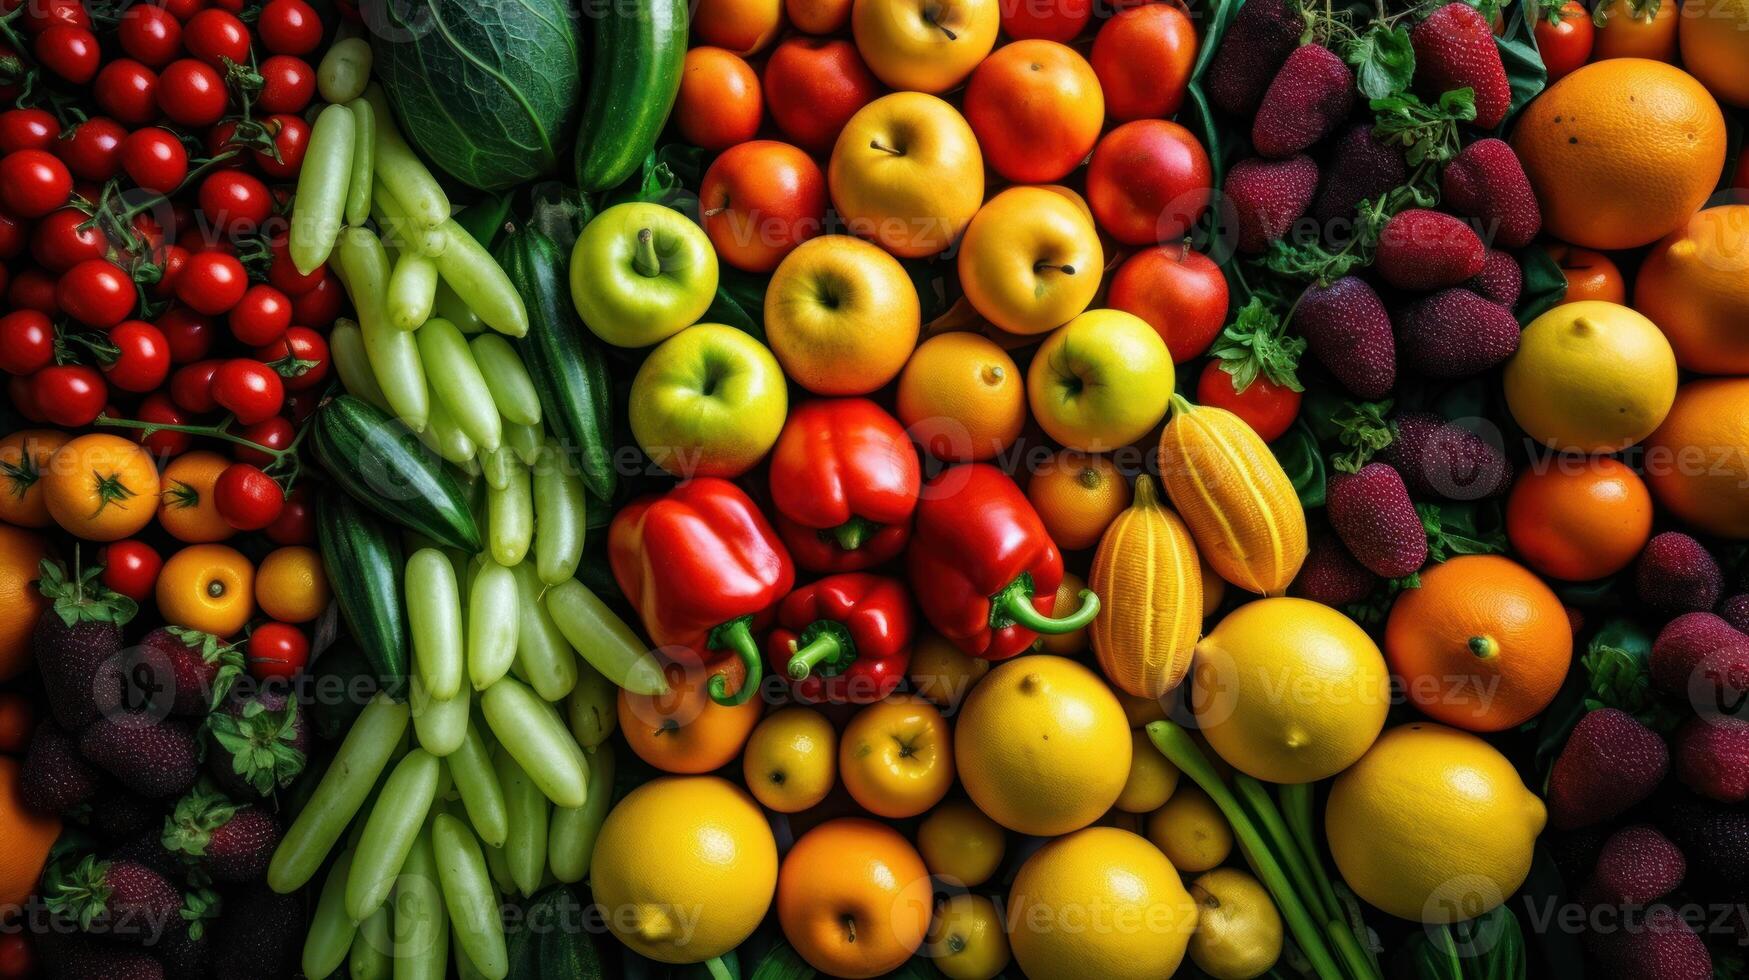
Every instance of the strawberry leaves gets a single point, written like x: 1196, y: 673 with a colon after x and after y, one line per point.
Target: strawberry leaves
x: 83, y: 598
x: 1363, y: 428
x: 1383, y: 60
x: 1256, y: 343
x: 261, y: 743
x: 1427, y: 133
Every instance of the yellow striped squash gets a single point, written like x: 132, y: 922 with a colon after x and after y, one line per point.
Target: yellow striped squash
x: 1150, y: 597
x: 1239, y: 503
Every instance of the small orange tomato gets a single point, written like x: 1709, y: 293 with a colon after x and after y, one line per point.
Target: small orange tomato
x: 719, y: 103
x: 188, y: 508
x: 742, y: 26
x: 101, y: 487
x: 290, y: 584
x: 208, y: 587
x: 23, y: 455
x: 684, y: 730
x: 1590, y: 275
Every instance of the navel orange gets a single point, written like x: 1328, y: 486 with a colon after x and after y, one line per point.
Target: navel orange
x: 961, y: 397
x: 1714, y: 36
x: 1694, y: 285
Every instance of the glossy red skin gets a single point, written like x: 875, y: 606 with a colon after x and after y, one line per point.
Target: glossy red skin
x: 274, y: 433
x: 289, y: 27
x: 93, y: 150
x: 1050, y: 20
x: 128, y: 91
x: 872, y: 611
x: 235, y: 201
x: 298, y: 344
x: 974, y: 536
x: 59, y: 242
x: 1143, y: 58
x: 214, y: 36
x: 1265, y: 406
x: 189, y: 334
x: 131, y: 568
x: 33, y: 183
x: 296, y: 523
x: 192, y: 93
x: 838, y: 459
x: 717, y: 109
x: 165, y: 443
x: 42, y: 14
x: 150, y: 34
x: 247, y: 498
x: 248, y: 389
x: 33, y: 289
x: 144, y: 361
x: 96, y: 292
x: 191, y: 387
x: 759, y: 201
x: 277, y: 650
x: 69, y: 395
x: 69, y: 52
x: 212, y: 282
x: 27, y: 129
x: 812, y: 88
x: 262, y: 316
x: 14, y: 236
x: 1179, y: 291
x: 27, y: 342
x: 290, y: 84
x: 1148, y: 182
x: 154, y: 159
x: 318, y: 307
x: 1566, y: 46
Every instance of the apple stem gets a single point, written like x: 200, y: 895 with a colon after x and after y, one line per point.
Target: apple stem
x: 645, y: 261
x: 1067, y: 270
x: 884, y: 148
x: 713, y: 212
x: 951, y: 36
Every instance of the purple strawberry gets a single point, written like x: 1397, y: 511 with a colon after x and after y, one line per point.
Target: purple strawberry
x: 1660, y: 945
x: 1262, y: 35
x: 1454, y: 48
x: 76, y: 956
x: 186, y: 946
x: 1688, y: 642
x: 148, y: 849
x: 1347, y: 329
x: 1715, y: 839
x: 1371, y: 512
x: 257, y: 742
x: 119, y: 897
x: 1421, y: 249
x: 1677, y: 574
x: 1308, y: 98
x: 259, y: 934
x: 1268, y: 196
x: 1712, y: 758
x: 200, y: 667
x: 156, y: 760
x: 1735, y: 610
x: 76, y: 642
x: 1455, y: 334
x: 232, y: 841
x: 1638, y: 865
x: 55, y: 778
x: 1330, y: 574
x: 1441, y: 459
x: 1362, y: 167
x: 1501, y: 279
x: 1486, y: 182
x: 1610, y: 763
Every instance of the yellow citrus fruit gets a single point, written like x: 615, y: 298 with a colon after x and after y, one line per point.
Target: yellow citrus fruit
x: 960, y: 844
x: 966, y: 939
x: 1695, y: 463
x: 1432, y: 825
x: 961, y: 397
x: 1077, y: 495
x: 704, y: 887
x: 1590, y: 377
x: 1289, y: 690
x: 290, y: 584
x: 1238, y: 930
x: 1100, y: 902
x: 1714, y: 35
x: 1191, y: 830
x: 1069, y: 601
x: 1140, y: 711
x: 942, y: 672
x: 1694, y: 285
x: 791, y: 759
x: 1152, y: 778
x: 1042, y: 745
x: 1214, y: 589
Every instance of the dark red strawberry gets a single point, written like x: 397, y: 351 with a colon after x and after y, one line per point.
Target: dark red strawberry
x: 1455, y: 334
x: 1676, y: 573
x: 1440, y: 459
x: 1735, y: 610
x: 1347, y: 329
x: 55, y: 778
x: 1685, y: 644
x: 1308, y: 98
x: 1454, y: 48
x: 1500, y: 281
x: 1421, y: 249
x: 1610, y: 763
x: 1714, y: 837
x: 77, y: 956
x: 1268, y: 196
x: 117, y: 814
x: 1637, y: 865
x: 1486, y: 182
x: 257, y: 742
x: 186, y: 948
x: 1371, y: 512
x: 1660, y: 945
x: 1263, y: 33
x: 1712, y: 758
x: 233, y: 842
x: 1330, y: 574
x: 121, y: 898
x: 76, y: 642
x: 157, y: 760
x: 198, y: 667
x: 1362, y: 167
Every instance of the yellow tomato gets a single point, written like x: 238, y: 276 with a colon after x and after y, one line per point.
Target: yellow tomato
x: 101, y: 487
x: 1152, y: 778
x: 207, y: 587
x: 960, y: 844
x: 1191, y: 830
x: 187, y: 507
x: 290, y: 584
x: 966, y: 939
x: 23, y: 456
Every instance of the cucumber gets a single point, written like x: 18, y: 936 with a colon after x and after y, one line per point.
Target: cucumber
x: 633, y: 80
x: 564, y: 360
x: 362, y: 557
x: 382, y: 464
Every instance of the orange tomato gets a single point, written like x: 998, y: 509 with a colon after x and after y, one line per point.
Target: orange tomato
x: 207, y: 587
x: 1036, y: 109
x: 1579, y: 518
x: 1482, y: 645
x: 719, y: 103
x: 1077, y: 495
x: 23, y: 455
x: 684, y: 731
x: 28, y: 834
x: 101, y: 487
x: 21, y: 555
x: 1590, y: 275
x: 17, y: 717
x: 853, y: 898
x: 1636, y: 29
x: 742, y: 26
x: 187, y: 507
x: 290, y: 585
x: 818, y: 16
x: 1143, y: 57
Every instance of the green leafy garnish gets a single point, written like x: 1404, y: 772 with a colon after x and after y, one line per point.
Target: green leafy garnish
x: 1383, y: 60
x: 1427, y: 133
x: 1256, y: 343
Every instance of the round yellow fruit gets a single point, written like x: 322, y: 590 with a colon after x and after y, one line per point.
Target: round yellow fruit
x: 1042, y: 746
x: 1100, y: 902
x: 942, y: 672
x: 841, y: 315
x: 961, y: 397
x: 1433, y: 824
x: 907, y: 174
x: 1238, y: 930
x: 1152, y: 779
x: 1591, y: 377
x: 1030, y: 260
x: 960, y: 844
x: 704, y: 886
x: 1191, y: 830
x: 895, y: 757
x: 966, y: 939
x: 1289, y: 690
x: 791, y: 759
x: 1100, y: 381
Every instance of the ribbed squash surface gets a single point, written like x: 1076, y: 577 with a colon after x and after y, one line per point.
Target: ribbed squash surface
x: 1149, y: 585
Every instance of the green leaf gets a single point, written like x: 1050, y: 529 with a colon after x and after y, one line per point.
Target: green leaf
x: 1255, y: 343
x: 1617, y: 664
x: 1383, y: 60
x: 1297, y: 452
x: 1545, y: 286
x: 1524, y: 64
x: 1364, y: 429
x: 739, y: 303
x: 782, y: 963
x: 1452, y: 530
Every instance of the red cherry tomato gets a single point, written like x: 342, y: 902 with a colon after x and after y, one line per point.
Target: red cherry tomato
x: 27, y: 129
x: 274, y: 433
x: 131, y: 568
x: 285, y: 277
x: 277, y: 650
x: 248, y: 389
x: 144, y: 361
x: 211, y: 282
x: 189, y: 335
x: 319, y: 306
x: 288, y: 84
x: 21, y: 390
x: 92, y: 151
x: 291, y: 138
x: 1565, y: 45
x: 127, y: 90
x: 289, y: 27
x: 170, y: 259
x: 33, y: 289
x: 41, y: 14
x: 69, y: 395
x: 299, y: 350
x: 191, y: 387
x: 150, y: 34
x: 1266, y: 406
x: 261, y: 316
x: 182, y: 10
x: 96, y: 292
x: 33, y: 183
x: 296, y: 523
x: 216, y: 36
x: 164, y: 443
x: 154, y: 159
x: 247, y: 498
x: 14, y: 235
x: 235, y: 201
x: 192, y: 93
x: 61, y: 240
x: 27, y: 342
x: 17, y: 959
x: 70, y: 52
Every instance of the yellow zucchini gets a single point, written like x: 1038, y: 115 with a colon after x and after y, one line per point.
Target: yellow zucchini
x: 1150, y: 585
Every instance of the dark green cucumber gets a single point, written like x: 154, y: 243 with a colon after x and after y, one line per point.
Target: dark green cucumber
x: 384, y: 466
x: 633, y: 80
x: 565, y: 361
x: 362, y: 556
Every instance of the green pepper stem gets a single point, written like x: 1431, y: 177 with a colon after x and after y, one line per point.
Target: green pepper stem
x: 852, y: 533
x: 645, y: 260
x: 736, y: 635
x: 825, y: 646
x: 1014, y: 604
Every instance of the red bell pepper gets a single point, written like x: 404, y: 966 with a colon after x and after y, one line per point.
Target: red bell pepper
x: 704, y: 570
x: 845, y: 638
x: 983, y: 567
x: 844, y: 480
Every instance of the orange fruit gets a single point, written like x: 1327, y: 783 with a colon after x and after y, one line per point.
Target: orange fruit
x: 896, y: 757
x: 101, y: 487
x: 290, y: 584
x: 29, y: 836
x: 187, y: 506
x: 17, y: 718
x: 1077, y: 495
x: 1695, y: 462
x: 1695, y: 286
x: 1621, y: 152
x: 23, y: 455
x: 1579, y: 518
x: 1714, y: 35
x: 961, y: 397
x: 1636, y: 29
x: 207, y: 587
x: 1482, y: 645
x: 684, y: 730
x: 1069, y: 600
x: 853, y: 898
x: 1589, y: 274
x: 21, y: 556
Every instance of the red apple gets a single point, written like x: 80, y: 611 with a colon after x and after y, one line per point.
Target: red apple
x: 1149, y: 181
x: 1049, y: 20
x: 1179, y: 291
x: 718, y: 105
x: 1143, y: 58
x: 813, y: 87
x: 759, y: 200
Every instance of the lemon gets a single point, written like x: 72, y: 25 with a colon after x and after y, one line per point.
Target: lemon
x: 1238, y: 930
x: 1289, y: 690
x: 966, y: 940
x: 1151, y: 781
x: 1432, y: 825
x: 1042, y: 745
x: 1100, y: 902
x: 684, y: 868
x: 1591, y: 377
x: 960, y: 844
x: 1191, y: 830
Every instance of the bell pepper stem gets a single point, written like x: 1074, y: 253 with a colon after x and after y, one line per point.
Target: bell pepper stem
x: 736, y: 635
x: 645, y: 260
x: 852, y: 533
x: 1014, y: 605
x: 825, y: 646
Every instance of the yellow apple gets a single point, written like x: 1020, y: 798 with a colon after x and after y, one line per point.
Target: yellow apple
x: 907, y: 173
x: 1030, y: 260
x: 895, y: 757
x: 709, y: 401
x: 841, y: 315
x: 791, y: 760
x: 924, y: 45
x: 1101, y: 381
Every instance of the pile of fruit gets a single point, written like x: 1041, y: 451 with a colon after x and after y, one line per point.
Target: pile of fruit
x: 874, y: 488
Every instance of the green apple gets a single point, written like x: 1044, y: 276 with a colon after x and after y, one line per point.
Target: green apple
x: 1100, y: 381
x: 641, y: 273
x: 709, y: 402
